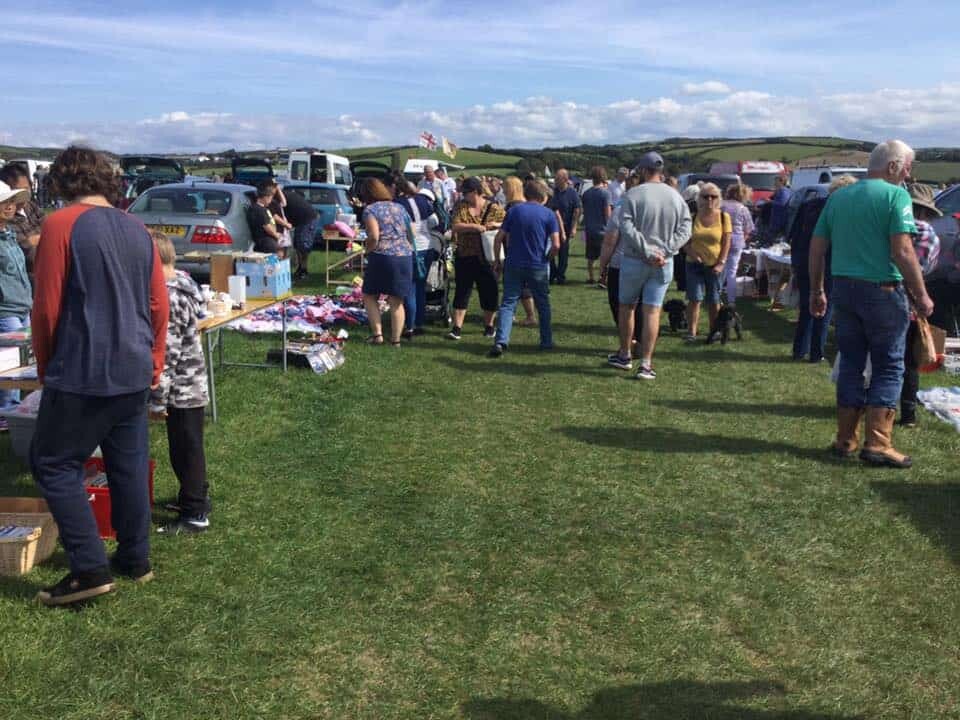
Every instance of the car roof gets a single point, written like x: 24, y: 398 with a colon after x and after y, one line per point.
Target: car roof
x: 301, y: 184
x: 226, y: 187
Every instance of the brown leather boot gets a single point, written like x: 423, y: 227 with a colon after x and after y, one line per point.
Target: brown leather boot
x: 848, y: 432
x: 878, y: 443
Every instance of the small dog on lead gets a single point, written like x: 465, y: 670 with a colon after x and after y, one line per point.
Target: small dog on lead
x: 677, y: 313
x: 727, y: 319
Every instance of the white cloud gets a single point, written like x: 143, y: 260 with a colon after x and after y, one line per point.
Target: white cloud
x: 921, y: 116
x: 710, y: 87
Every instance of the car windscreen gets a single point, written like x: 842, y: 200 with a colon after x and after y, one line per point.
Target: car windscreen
x: 759, y: 180
x: 322, y: 196
x: 183, y: 201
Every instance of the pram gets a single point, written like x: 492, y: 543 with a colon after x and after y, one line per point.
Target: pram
x: 438, y: 280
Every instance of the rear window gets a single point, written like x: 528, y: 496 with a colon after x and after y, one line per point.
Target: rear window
x: 183, y: 201
x: 322, y: 196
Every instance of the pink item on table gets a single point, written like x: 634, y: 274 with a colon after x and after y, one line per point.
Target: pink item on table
x: 344, y: 229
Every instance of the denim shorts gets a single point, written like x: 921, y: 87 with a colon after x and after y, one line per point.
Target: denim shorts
x: 645, y: 283
x: 304, y: 236
x: 703, y: 284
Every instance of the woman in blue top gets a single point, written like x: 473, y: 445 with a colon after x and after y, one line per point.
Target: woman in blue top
x: 389, y: 265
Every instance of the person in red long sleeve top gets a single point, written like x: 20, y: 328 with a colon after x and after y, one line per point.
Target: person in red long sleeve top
x: 99, y: 335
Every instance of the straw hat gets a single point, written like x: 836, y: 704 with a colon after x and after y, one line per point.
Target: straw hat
x: 8, y: 193
x: 922, y: 196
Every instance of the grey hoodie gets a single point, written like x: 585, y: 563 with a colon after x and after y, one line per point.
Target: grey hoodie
x: 653, y: 217
x: 183, y: 384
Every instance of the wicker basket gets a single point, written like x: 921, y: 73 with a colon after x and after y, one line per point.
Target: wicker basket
x: 32, y: 512
x: 17, y: 555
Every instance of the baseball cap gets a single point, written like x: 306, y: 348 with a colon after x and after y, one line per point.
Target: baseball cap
x: 650, y: 161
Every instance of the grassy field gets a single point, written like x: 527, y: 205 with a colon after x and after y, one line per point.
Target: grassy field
x: 780, y: 152
x: 428, y: 533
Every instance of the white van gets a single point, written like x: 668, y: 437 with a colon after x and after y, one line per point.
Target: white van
x: 413, y: 170
x: 319, y: 167
x: 823, y: 174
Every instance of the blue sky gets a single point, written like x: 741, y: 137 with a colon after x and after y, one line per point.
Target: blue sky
x: 208, y: 75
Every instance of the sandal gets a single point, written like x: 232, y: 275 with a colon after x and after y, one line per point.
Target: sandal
x: 375, y: 340
x: 690, y: 339
x: 395, y: 343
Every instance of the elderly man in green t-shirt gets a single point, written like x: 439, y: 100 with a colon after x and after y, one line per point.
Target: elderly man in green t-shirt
x: 868, y: 225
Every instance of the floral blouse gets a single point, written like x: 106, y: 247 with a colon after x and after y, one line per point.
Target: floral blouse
x: 469, y: 243
x: 394, y: 223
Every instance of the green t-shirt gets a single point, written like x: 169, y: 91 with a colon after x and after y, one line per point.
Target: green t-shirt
x: 858, y: 220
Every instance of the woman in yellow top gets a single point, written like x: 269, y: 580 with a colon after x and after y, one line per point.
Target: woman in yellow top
x: 472, y: 216
x: 706, y: 257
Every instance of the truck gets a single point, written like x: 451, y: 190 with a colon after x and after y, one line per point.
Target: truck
x: 758, y: 174
x: 318, y: 166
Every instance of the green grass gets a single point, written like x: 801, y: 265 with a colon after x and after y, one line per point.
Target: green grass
x: 428, y: 533
x: 937, y: 171
x: 766, y: 151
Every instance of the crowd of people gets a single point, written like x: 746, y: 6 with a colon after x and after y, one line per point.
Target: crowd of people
x: 115, y: 325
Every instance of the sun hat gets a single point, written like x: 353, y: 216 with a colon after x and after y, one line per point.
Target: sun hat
x: 922, y: 195
x: 8, y: 193
x: 650, y: 161
x: 427, y: 193
x: 691, y: 193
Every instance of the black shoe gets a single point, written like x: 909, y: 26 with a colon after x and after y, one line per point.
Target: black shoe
x: 77, y: 588
x: 138, y: 573
x: 186, y: 525
x: 908, y: 420
x: 489, y: 331
x: 419, y: 331
x: 407, y: 334
x: 496, y: 351
x: 454, y: 333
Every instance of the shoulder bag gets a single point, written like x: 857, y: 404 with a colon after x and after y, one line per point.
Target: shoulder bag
x: 419, y: 266
x: 487, y: 238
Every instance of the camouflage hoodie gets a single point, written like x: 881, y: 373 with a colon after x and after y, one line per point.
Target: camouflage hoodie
x: 183, y: 384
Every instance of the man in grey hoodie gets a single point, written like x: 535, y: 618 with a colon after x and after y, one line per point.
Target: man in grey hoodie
x: 654, y: 225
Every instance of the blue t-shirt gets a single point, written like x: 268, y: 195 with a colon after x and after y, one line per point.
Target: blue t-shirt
x: 529, y: 226
x: 565, y: 202
x: 596, y: 200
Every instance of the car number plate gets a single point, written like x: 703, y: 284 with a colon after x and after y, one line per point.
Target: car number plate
x: 171, y: 230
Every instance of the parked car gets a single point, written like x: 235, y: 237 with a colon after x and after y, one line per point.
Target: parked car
x: 327, y: 199
x: 250, y: 170
x: 824, y: 174
x: 205, y: 217
x: 947, y: 202
x: 141, y: 172
x: 360, y: 170
x: 723, y: 180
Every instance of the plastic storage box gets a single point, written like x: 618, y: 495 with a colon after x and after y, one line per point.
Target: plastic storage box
x: 99, y: 497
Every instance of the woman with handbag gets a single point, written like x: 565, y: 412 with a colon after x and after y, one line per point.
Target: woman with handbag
x: 471, y: 218
x: 389, y: 267
x: 419, y: 204
x: 926, y: 245
x: 706, y: 258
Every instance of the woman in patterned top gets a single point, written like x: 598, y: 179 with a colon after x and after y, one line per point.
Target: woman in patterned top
x: 738, y: 195
x: 471, y: 217
x: 389, y: 265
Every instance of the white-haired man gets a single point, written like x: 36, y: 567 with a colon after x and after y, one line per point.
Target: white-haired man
x: 618, y: 186
x: 868, y: 226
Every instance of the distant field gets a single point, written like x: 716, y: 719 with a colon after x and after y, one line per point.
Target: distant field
x: 940, y: 172
x: 782, y: 152
x: 476, y: 162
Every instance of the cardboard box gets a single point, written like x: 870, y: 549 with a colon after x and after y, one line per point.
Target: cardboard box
x: 267, y: 279
x: 221, y: 268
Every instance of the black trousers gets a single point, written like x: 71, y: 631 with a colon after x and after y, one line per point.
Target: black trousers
x: 185, y: 437
x: 69, y: 428
x: 911, y: 376
x: 613, y: 297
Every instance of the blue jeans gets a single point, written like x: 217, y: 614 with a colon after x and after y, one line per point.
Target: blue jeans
x: 538, y: 281
x: 9, y: 399
x: 415, y: 303
x: 811, y: 334
x: 870, y: 320
x: 703, y: 284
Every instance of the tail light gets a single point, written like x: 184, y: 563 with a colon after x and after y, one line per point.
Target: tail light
x: 211, y: 235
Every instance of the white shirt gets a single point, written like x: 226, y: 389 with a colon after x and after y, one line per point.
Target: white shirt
x: 615, y: 188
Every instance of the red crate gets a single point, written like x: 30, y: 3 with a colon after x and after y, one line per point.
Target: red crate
x: 100, y: 497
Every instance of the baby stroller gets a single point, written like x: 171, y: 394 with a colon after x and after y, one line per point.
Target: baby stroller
x: 438, y: 280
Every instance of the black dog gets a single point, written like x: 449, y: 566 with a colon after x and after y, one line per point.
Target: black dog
x: 727, y: 319
x: 677, y: 312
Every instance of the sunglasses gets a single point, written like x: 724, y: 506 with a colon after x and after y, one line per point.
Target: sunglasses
x: 710, y: 197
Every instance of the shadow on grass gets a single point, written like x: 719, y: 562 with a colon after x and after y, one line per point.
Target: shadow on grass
x: 509, y: 367
x: 18, y: 588
x: 933, y: 508
x: 718, y: 354
x: 674, y: 700
x: 671, y: 440
x: 766, y: 326
x: 781, y: 409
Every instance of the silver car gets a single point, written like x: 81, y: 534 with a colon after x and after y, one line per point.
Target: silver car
x: 201, y: 217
